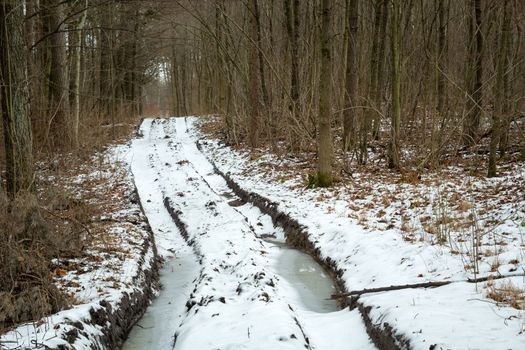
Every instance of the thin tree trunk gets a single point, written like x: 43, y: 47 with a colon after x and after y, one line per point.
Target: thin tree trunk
x: 475, y: 98
x: 14, y: 97
x: 352, y: 73
x: 292, y: 28
x: 264, y: 90
x: 377, y: 97
x: 254, y: 78
x: 176, y: 84
x: 77, y: 70
x: 441, y: 79
x: 393, y: 161
x: 34, y: 62
x: 183, y: 88
x: 370, y: 113
x: 105, y: 82
x: 506, y: 104
x: 324, y: 137
x: 499, y: 103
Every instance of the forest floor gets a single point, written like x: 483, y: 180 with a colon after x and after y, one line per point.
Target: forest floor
x: 224, y: 283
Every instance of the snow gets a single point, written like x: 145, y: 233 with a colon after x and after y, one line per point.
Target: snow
x: 455, y: 316
x: 373, y: 232
x: 242, y: 298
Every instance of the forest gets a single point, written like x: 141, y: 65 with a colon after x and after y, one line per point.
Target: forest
x: 337, y: 99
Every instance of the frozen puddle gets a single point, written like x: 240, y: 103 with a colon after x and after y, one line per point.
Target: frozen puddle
x: 157, y: 327
x: 231, y: 289
x: 308, y: 288
x: 307, y: 284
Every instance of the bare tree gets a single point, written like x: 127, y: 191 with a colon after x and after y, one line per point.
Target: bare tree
x: 254, y: 76
x: 293, y: 31
x: 324, y: 137
x: 499, y: 93
x: 475, y: 87
x: 77, y: 63
x: 352, y: 73
x: 393, y: 159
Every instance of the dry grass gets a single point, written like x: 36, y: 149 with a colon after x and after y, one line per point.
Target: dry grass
x: 506, y: 293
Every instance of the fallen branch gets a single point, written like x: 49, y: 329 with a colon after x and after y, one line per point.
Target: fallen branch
x: 390, y: 288
x: 433, y: 284
x: 491, y: 277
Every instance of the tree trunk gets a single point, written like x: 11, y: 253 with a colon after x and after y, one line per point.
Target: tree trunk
x: 34, y: 62
x: 441, y: 91
x: 254, y: 77
x: 499, y: 97
x: 507, y: 86
x: 292, y: 28
x: 59, y: 124
x: 105, y: 45
x: 14, y: 97
x: 352, y: 73
x: 475, y: 92
x: 76, y: 82
x: 377, y: 97
x: 183, y: 87
x: 264, y: 90
x: 393, y: 161
x: 324, y: 138
x: 372, y: 90
x: 176, y: 84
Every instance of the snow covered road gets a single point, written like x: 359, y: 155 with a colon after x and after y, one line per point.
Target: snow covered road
x: 226, y: 288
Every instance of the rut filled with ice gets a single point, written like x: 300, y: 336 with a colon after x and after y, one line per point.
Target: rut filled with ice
x: 230, y: 281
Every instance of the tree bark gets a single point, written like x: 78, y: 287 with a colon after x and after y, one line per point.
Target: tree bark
x: 507, y: 86
x: 499, y: 97
x: 254, y: 78
x: 33, y: 27
x: 14, y: 97
x: 377, y: 92
x: 440, y: 116
x: 292, y: 28
x: 105, y: 47
x: 352, y: 73
x: 372, y: 90
x: 76, y: 82
x: 475, y: 91
x: 262, y: 75
x: 324, y: 137
x: 60, y: 119
x: 393, y: 161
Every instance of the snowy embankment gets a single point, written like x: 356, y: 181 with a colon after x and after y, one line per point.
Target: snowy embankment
x: 457, y: 315
x: 236, y: 300
x: 111, y: 284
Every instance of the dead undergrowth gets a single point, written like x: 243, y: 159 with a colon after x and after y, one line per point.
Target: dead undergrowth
x: 506, y: 293
x: 28, y: 242
x: 43, y: 233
